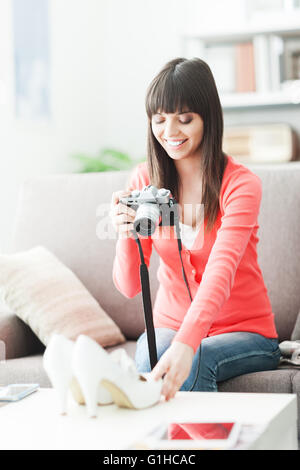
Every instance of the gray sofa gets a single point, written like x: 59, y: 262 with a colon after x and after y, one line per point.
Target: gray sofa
x: 63, y: 213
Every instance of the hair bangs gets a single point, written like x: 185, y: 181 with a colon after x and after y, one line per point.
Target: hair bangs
x: 169, y: 94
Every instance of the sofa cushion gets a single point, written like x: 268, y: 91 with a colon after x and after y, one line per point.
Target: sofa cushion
x: 271, y: 381
x: 27, y: 369
x: 279, y: 240
x: 17, y: 337
x: 49, y: 298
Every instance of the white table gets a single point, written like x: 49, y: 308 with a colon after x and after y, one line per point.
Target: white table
x: 34, y: 422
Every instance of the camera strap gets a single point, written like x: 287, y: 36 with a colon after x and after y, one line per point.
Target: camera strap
x: 148, y: 316
x: 144, y: 276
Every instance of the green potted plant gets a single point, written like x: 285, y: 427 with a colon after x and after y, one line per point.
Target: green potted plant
x: 108, y: 159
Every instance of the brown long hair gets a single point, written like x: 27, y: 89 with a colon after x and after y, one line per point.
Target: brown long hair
x: 190, y: 84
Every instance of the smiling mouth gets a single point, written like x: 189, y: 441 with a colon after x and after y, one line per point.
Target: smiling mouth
x: 176, y: 144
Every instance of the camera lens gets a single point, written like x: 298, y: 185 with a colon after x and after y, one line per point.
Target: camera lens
x: 146, y: 219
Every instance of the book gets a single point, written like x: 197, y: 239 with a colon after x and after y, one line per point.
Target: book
x: 245, y: 68
x: 291, y: 59
x: 221, y: 59
x: 262, y: 63
x: 276, y: 48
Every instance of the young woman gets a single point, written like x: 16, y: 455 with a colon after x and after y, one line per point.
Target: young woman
x: 228, y: 328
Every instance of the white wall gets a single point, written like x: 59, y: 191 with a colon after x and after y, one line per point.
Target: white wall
x: 78, y: 121
x: 103, y: 54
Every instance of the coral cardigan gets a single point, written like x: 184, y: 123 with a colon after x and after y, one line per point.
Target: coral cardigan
x: 225, y: 280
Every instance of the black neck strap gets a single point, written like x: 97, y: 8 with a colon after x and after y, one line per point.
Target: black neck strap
x: 144, y: 276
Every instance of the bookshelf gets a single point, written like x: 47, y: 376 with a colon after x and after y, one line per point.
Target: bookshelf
x: 255, y: 63
x: 287, y: 26
x: 258, y: 99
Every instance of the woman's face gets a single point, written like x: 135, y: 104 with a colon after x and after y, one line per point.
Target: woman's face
x: 180, y: 134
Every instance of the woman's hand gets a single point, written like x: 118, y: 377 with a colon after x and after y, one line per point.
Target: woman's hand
x: 122, y: 216
x: 175, y: 364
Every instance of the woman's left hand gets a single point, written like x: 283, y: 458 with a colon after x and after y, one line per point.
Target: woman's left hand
x: 175, y: 364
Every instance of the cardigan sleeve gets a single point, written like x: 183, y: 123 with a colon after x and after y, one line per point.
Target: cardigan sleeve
x: 126, y: 266
x: 241, y: 202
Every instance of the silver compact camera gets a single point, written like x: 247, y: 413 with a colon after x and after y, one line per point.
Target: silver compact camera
x: 153, y: 207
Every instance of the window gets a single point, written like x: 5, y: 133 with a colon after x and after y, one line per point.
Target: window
x: 31, y: 56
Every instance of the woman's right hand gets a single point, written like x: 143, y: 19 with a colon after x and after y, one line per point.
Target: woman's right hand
x: 122, y: 216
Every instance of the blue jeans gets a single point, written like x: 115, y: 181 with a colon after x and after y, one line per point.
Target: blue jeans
x: 218, y: 357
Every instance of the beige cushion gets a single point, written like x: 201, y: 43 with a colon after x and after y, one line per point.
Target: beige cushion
x: 48, y: 296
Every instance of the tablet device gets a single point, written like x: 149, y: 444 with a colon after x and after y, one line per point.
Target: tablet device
x: 15, y: 392
x: 193, y: 435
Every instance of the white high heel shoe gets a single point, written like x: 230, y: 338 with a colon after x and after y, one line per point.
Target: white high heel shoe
x: 92, y: 365
x: 57, y: 362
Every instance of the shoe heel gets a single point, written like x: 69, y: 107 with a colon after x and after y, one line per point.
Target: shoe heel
x: 76, y: 392
x: 61, y: 390
x: 57, y: 364
x: 89, y: 387
x: 88, y: 371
